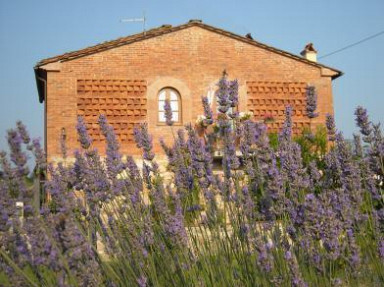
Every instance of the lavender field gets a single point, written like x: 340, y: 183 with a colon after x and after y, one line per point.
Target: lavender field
x: 299, y: 212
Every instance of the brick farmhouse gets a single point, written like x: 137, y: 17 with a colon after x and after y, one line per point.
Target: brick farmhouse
x: 127, y: 79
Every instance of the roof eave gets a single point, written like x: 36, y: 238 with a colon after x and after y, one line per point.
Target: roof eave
x: 39, y: 80
x: 337, y: 75
x: 165, y: 30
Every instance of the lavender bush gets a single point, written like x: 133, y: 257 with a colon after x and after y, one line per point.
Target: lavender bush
x: 268, y: 217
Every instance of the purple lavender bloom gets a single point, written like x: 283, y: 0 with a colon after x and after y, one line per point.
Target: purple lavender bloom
x: 193, y: 208
x: 178, y: 159
x: 230, y: 160
x: 174, y: 224
x: 337, y: 282
x: 331, y: 128
x: 252, y: 138
x: 321, y: 223
x: 311, y: 102
x: 82, y: 133
x: 207, y: 111
x: 288, y: 255
x: 234, y: 115
x: 264, y: 259
x: 168, y: 151
x: 248, y: 203
x: 197, y: 152
x: 314, y: 173
x: 292, y: 167
x: 358, y: 149
x: 23, y: 132
x: 168, y: 112
x: 363, y: 122
x: 274, y: 187
x: 381, y: 249
x: 296, y: 277
x: 144, y: 141
x: 325, y: 212
x: 222, y: 95
x: 233, y: 93
x: 63, y: 145
x: 113, y: 160
x: 39, y: 153
x: 18, y: 157
x: 147, y: 175
x: 134, y: 175
x: 286, y: 133
x: 350, y: 177
x: 142, y: 281
x: 354, y: 250
x: 132, y: 167
x: 246, y: 133
x: 376, y: 151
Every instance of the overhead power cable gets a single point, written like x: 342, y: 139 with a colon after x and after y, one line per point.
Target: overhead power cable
x: 352, y: 45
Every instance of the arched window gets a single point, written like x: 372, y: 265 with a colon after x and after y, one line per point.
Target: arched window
x: 174, y: 98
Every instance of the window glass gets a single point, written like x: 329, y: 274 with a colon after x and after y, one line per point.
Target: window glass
x: 162, y: 95
x: 174, y: 98
x: 175, y: 105
x: 161, y: 117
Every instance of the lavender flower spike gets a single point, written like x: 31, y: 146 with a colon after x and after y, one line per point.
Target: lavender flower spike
x: 144, y: 141
x: 168, y: 112
x: 207, y: 111
x: 63, y: 145
x: 222, y: 94
x: 311, y: 102
x: 113, y: 159
x: 234, y: 93
x: 286, y: 133
x: 363, y: 122
x: 84, y: 138
x: 142, y: 281
x: 18, y: 157
x: 23, y: 132
x: 331, y: 128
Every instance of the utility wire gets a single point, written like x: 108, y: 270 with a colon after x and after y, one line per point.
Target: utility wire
x: 354, y: 44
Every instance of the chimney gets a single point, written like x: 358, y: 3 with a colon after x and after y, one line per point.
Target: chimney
x: 309, y: 53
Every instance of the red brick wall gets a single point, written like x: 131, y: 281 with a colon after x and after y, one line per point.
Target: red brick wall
x: 189, y: 60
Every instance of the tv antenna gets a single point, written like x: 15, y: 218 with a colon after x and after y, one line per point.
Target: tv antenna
x: 142, y: 19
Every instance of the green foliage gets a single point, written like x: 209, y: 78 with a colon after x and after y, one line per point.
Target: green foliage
x: 274, y: 140
x: 4, y: 279
x: 313, y: 145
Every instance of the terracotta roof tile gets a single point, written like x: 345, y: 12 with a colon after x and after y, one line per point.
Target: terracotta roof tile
x: 165, y: 29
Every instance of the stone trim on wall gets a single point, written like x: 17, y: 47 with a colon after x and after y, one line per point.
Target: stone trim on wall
x: 152, y: 101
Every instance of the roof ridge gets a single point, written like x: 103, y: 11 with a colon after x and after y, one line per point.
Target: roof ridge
x: 157, y: 31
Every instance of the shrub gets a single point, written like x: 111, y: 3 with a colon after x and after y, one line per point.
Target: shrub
x: 270, y: 217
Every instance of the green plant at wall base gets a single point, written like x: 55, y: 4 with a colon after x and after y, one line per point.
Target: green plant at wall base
x: 313, y: 145
x: 273, y: 140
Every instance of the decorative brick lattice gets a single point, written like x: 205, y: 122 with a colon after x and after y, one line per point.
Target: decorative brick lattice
x: 269, y: 99
x: 122, y: 101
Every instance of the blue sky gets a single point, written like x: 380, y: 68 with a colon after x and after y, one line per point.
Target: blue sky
x: 33, y: 30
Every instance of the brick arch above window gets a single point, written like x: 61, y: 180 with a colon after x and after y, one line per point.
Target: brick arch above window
x: 153, y: 89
